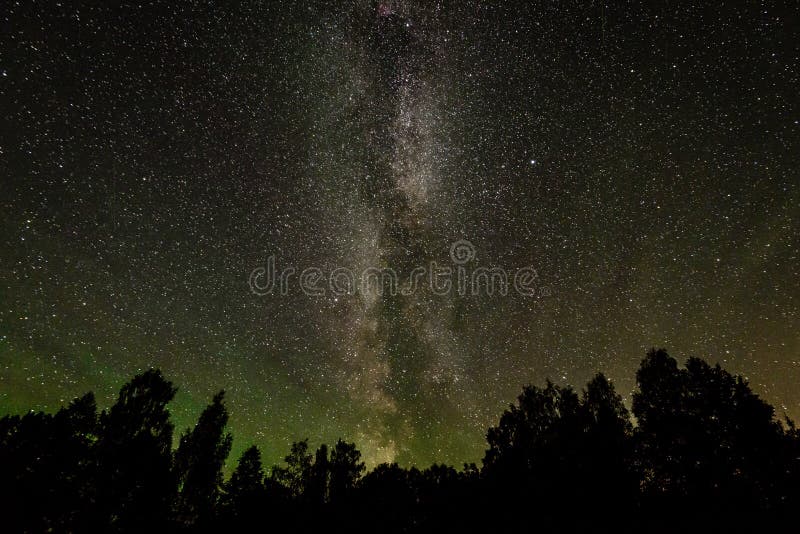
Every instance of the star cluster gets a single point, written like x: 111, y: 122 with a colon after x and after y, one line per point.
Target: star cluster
x: 642, y: 158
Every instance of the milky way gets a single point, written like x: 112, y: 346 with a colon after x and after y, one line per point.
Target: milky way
x: 642, y: 160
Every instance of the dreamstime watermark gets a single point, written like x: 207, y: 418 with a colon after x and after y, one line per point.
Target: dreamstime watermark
x: 438, y: 279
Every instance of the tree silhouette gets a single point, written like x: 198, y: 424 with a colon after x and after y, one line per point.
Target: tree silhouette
x: 295, y: 476
x: 708, y: 445
x: 706, y: 455
x: 319, y: 477
x: 198, y: 464
x: 45, y: 467
x: 532, y: 431
x: 136, y: 486
x: 607, y: 475
x: 346, y: 468
x: 75, y: 429
x: 244, y: 494
x: 389, y: 497
x: 563, y: 452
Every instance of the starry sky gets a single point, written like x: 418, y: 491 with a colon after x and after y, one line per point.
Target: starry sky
x: 641, y: 157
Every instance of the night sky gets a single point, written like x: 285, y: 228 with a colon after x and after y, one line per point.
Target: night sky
x: 641, y: 157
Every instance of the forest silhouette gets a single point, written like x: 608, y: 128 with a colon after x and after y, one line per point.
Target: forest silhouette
x: 705, y: 454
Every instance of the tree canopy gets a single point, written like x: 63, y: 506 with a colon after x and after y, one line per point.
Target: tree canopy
x: 698, y: 451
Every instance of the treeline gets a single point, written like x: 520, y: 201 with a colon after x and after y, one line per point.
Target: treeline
x: 706, y: 454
